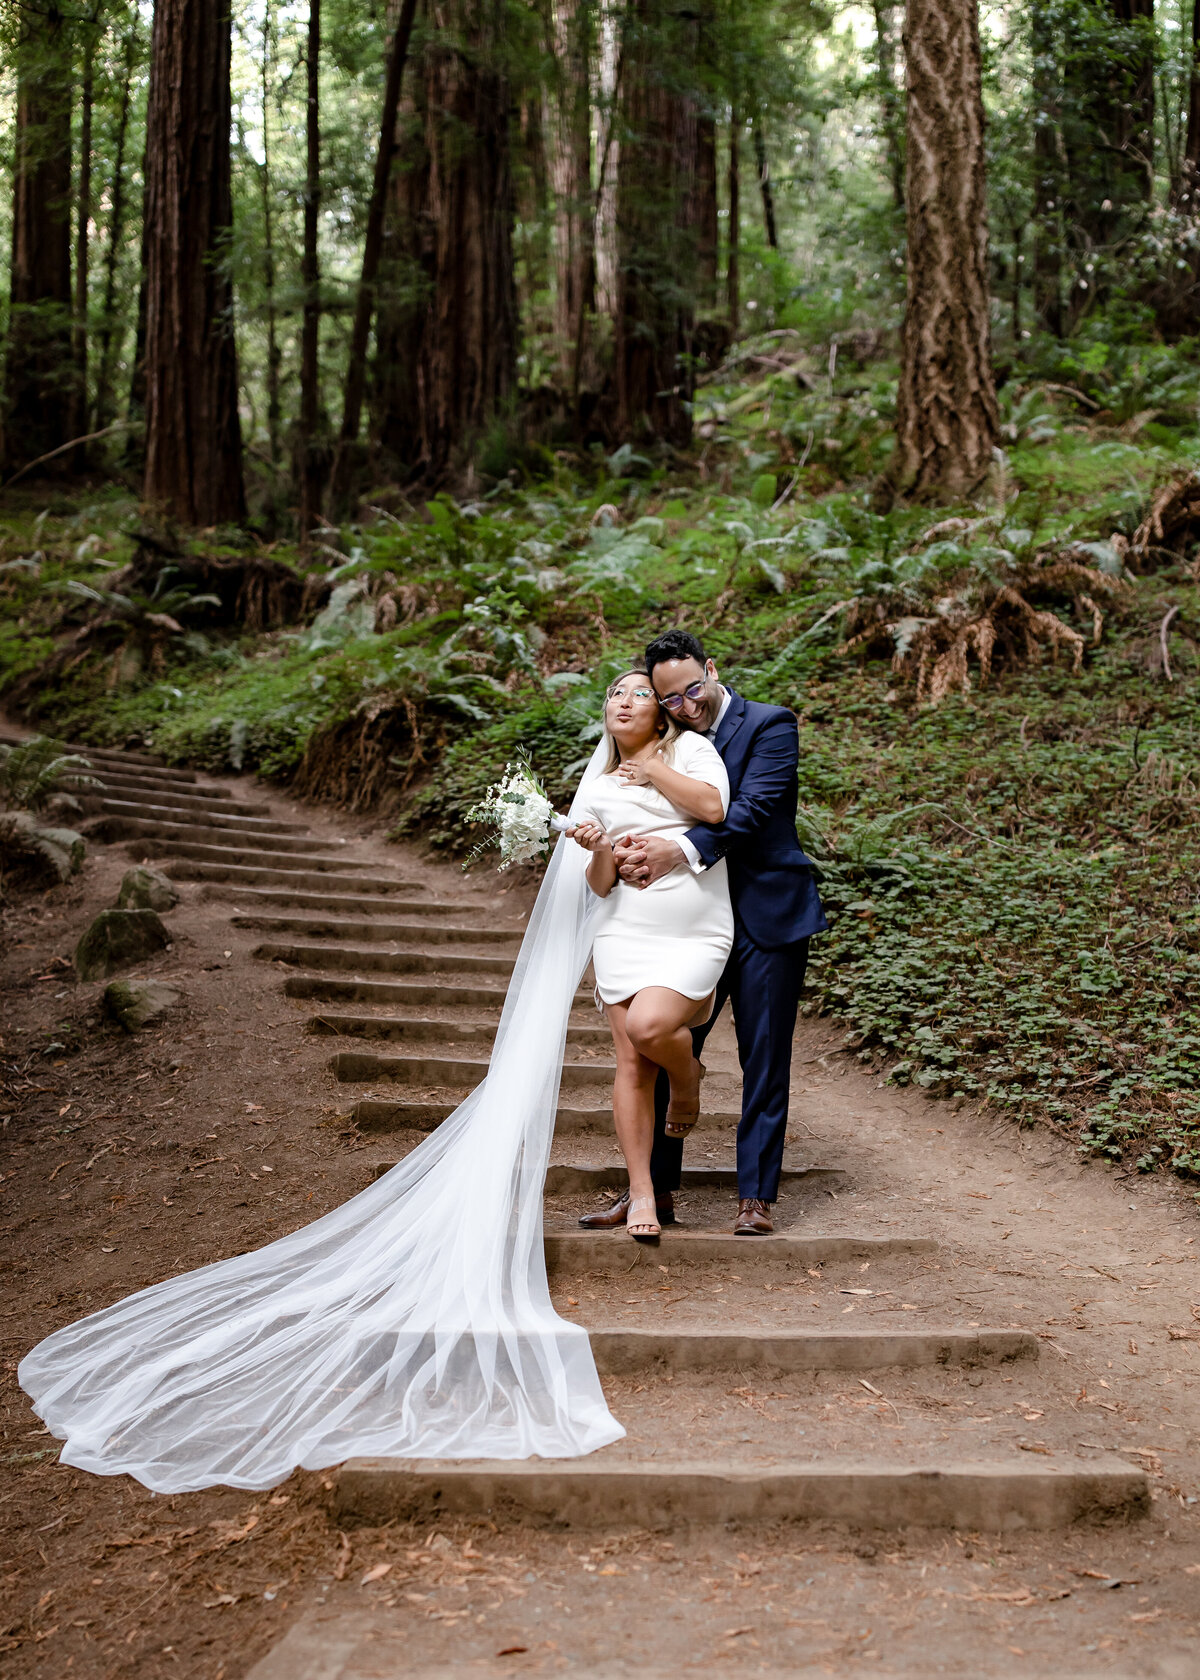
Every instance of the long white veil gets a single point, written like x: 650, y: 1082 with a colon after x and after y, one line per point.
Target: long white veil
x: 413, y: 1321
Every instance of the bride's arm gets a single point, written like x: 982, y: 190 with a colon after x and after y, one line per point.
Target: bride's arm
x: 601, y: 872
x: 698, y: 801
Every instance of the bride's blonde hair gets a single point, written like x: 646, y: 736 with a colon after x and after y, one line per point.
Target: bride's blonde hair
x: 668, y: 732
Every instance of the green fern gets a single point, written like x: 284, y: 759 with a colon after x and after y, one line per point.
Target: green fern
x: 33, y: 771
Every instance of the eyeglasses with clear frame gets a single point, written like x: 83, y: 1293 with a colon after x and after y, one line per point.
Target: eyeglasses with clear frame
x: 635, y: 694
x: 693, y: 692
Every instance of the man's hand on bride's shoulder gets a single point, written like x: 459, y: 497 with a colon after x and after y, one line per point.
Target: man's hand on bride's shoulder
x: 644, y: 859
x: 590, y: 836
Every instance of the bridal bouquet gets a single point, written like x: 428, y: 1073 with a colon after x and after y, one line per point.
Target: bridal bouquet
x: 520, y: 815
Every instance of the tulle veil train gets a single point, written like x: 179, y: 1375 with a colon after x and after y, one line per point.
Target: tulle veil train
x: 413, y: 1321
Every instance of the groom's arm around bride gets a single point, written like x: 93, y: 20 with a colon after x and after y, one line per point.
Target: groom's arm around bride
x: 775, y: 903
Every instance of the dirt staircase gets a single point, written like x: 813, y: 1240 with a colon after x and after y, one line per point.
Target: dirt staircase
x: 414, y: 986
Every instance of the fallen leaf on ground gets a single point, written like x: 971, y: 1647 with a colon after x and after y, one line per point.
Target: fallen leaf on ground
x: 376, y: 1574
x: 732, y: 1633
x: 221, y: 1598
x: 512, y: 1651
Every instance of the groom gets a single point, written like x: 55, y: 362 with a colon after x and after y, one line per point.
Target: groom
x: 776, y: 909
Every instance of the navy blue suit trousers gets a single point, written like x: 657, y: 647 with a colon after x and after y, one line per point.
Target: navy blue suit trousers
x: 763, y: 988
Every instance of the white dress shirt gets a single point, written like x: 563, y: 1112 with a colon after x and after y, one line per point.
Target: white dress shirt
x: 691, y: 856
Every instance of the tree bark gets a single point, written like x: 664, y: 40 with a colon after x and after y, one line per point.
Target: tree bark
x: 657, y: 216
x: 889, y: 98
x: 274, y: 353
x: 946, y: 417
x: 83, y: 216
x: 1189, y: 174
x: 447, y: 362
x: 708, y: 222
x: 193, y: 432
x: 764, y: 186
x: 356, y: 370
x: 309, y: 475
x: 40, y: 383
x: 1048, y: 182
x: 1108, y: 119
x: 108, y: 334
x: 567, y: 122
x: 732, y: 262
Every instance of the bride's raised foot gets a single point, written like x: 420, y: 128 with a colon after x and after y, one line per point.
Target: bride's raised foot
x: 642, y: 1221
x: 683, y: 1110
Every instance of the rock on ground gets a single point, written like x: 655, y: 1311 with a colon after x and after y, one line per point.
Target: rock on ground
x: 146, y: 889
x: 139, y: 1003
x: 118, y: 939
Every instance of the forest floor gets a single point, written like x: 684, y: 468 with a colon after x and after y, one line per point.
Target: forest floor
x: 132, y: 1157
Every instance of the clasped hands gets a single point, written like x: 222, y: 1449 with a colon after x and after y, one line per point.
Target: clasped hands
x: 641, y: 859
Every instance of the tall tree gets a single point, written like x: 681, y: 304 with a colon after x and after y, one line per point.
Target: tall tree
x: 83, y: 217
x: 657, y: 216
x: 763, y: 168
x: 110, y: 326
x: 309, y: 460
x: 1189, y: 174
x: 567, y: 123
x: 946, y: 417
x: 733, y: 255
x: 40, y: 377
x: 364, y: 305
x: 270, y: 47
x: 193, y: 433
x: 1107, y: 118
x: 891, y: 110
x: 1048, y: 182
x: 447, y: 351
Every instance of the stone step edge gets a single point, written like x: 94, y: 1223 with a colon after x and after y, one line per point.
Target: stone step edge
x: 564, y: 1179
x: 620, y: 1351
x: 333, y: 927
x: 380, y: 1115
x: 327, y: 1644
x: 236, y: 877
x: 979, y: 1495
x: 578, y: 1252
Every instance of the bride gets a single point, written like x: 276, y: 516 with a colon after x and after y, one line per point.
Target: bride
x: 657, y: 951
x: 415, y: 1320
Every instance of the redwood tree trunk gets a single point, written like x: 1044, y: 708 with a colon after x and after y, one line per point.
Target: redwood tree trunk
x: 946, y: 419
x: 1189, y: 175
x: 764, y: 186
x: 733, y: 302
x: 567, y: 125
x: 1108, y: 120
x: 1047, y: 173
x: 657, y: 215
x: 40, y: 381
x: 110, y: 333
x: 309, y: 475
x: 889, y: 97
x: 83, y: 216
x: 448, y: 349
x: 193, y: 433
x: 708, y: 224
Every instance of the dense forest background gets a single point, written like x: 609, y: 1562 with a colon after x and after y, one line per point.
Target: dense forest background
x: 375, y: 382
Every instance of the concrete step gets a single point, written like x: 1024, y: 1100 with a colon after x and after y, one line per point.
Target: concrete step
x: 357, y: 1067
x: 418, y: 1031
x: 380, y: 1115
x: 319, y: 988
x: 144, y: 764
x: 214, y: 866
x: 271, y: 898
x: 588, y: 1493
x: 190, y: 793
x: 400, y: 933
x: 577, y: 1253
x: 563, y: 1179
x: 238, y: 820
x: 357, y: 960
x: 216, y: 834
x: 328, y: 1645
x: 253, y: 857
x: 621, y: 1352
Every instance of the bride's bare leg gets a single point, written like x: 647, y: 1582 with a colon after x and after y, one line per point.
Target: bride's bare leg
x: 633, y: 1105
x: 659, y: 1022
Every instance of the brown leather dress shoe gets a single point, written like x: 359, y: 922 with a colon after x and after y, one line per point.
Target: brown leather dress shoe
x: 614, y: 1217
x: 753, y: 1218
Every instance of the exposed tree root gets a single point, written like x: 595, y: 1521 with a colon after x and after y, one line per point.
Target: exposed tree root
x: 1171, y: 529
x: 998, y: 626
x: 366, y: 761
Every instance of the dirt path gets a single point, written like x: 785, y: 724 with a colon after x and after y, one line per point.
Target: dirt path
x: 125, y: 1158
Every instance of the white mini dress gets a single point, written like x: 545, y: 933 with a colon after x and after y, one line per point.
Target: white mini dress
x: 679, y: 931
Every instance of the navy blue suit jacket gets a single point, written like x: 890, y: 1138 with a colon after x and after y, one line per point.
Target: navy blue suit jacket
x: 775, y: 898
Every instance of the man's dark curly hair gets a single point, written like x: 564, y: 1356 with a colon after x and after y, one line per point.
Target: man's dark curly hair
x: 674, y: 644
